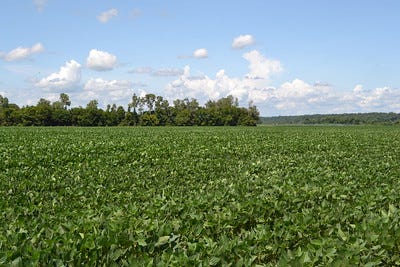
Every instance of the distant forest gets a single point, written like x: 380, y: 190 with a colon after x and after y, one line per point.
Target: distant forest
x: 148, y: 110
x: 344, y: 119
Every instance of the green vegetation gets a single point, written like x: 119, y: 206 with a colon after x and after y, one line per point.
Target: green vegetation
x: 200, y: 196
x: 349, y: 119
x: 149, y: 110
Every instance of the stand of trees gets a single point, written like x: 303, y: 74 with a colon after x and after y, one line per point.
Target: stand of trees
x: 344, y: 119
x: 150, y: 110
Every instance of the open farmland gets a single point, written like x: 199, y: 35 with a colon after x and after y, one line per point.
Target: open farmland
x: 200, y: 196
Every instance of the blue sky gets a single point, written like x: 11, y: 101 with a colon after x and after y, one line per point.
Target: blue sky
x: 287, y: 57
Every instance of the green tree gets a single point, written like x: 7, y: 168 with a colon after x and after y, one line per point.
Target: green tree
x: 250, y: 116
x: 92, y: 105
x: 92, y: 116
x: 183, y: 118
x: 148, y: 119
x: 163, y: 111
x: 134, y: 102
x: 3, y: 107
x: 128, y: 119
x: 120, y: 114
x: 3, y: 102
x: 43, y: 113
x: 60, y: 114
x: 65, y: 101
x: 185, y: 111
x: 149, y: 100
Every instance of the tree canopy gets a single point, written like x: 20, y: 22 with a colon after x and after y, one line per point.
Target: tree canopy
x: 147, y: 110
x: 344, y: 119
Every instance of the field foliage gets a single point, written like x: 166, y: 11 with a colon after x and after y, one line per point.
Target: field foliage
x: 299, y: 196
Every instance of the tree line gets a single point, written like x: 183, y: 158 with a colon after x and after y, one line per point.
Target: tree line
x: 389, y: 118
x: 148, y: 110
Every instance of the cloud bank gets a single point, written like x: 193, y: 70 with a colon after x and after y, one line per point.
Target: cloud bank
x: 292, y: 97
x: 115, y: 90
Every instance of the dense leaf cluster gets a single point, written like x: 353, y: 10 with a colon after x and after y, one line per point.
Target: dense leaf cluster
x: 149, y: 110
x: 344, y: 119
x: 203, y: 196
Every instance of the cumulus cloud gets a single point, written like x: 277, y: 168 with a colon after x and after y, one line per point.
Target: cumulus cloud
x: 296, y: 95
x: 300, y: 97
x: 107, y: 89
x: 200, y: 53
x: 99, y: 84
x: 21, y: 53
x: 261, y: 67
x: 378, y: 99
x: 100, y: 60
x: 242, y: 41
x: 204, y: 87
x: 292, y: 97
x: 39, y: 4
x: 66, y: 78
x: 106, y: 16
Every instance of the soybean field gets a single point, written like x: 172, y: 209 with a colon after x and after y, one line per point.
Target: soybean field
x: 200, y: 196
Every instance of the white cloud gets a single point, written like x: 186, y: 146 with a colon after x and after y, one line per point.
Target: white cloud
x: 104, y: 90
x: 242, y: 41
x: 107, y: 15
x: 99, y: 84
x: 295, y: 89
x: 260, y: 66
x: 200, y: 53
x: 40, y: 4
x: 21, y: 53
x: 358, y: 89
x: 290, y: 96
x: 204, y: 88
x: 66, y: 78
x: 142, y: 93
x: 139, y: 84
x: 52, y: 97
x: 37, y: 48
x: 299, y: 97
x: 100, y: 60
x: 378, y: 99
